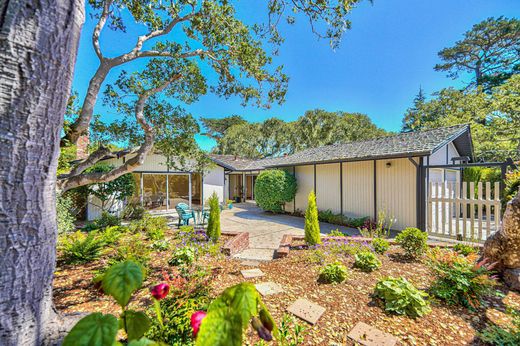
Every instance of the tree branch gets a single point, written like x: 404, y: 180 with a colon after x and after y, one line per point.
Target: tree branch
x: 99, y: 27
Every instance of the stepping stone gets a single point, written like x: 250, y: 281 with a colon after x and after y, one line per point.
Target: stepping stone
x: 306, y: 310
x: 268, y: 288
x: 369, y: 336
x: 252, y: 273
x: 250, y: 263
x: 253, y: 254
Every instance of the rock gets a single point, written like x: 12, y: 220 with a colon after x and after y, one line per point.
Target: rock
x: 512, y: 278
x: 503, y: 246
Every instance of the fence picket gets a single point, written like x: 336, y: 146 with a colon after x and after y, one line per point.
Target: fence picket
x: 450, y: 208
x: 429, y: 216
x: 488, y: 209
x: 457, y: 208
x: 498, y: 207
x: 464, y: 210
x: 436, y: 207
x: 443, y: 207
x: 472, y: 208
x: 479, y: 209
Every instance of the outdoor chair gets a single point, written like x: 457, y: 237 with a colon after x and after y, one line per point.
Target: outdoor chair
x: 185, y: 214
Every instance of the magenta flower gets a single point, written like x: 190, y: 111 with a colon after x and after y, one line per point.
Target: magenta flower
x: 160, y: 291
x: 196, y: 320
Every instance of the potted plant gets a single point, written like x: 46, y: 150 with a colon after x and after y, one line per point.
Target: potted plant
x: 230, y: 203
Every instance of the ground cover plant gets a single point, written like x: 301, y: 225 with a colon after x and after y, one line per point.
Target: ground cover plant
x: 367, y: 261
x: 333, y: 273
x: 401, y: 297
x: 380, y: 245
x: 79, y: 247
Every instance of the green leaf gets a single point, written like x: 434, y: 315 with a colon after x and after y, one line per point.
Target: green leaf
x: 137, y: 323
x: 143, y: 342
x: 221, y: 327
x: 93, y: 330
x: 121, y: 280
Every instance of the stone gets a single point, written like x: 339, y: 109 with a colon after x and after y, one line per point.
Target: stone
x: 306, y: 310
x: 268, y: 288
x: 250, y: 263
x: 512, y: 278
x: 252, y: 273
x: 371, y: 336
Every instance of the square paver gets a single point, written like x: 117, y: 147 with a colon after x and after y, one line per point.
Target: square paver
x: 268, y: 288
x: 370, y: 336
x: 250, y: 263
x: 306, y: 310
x: 252, y: 273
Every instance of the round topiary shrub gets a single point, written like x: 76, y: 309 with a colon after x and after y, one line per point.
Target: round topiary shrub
x: 273, y: 188
x: 413, y: 241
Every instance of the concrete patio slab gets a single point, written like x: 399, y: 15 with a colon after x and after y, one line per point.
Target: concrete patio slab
x: 252, y: 273
x: 268, y: 288
x: 370, y: 336
x: 306, y: 310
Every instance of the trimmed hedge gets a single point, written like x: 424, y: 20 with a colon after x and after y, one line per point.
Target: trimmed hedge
x: 273, y: 188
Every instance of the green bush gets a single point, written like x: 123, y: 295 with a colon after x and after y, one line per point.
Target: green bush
x: 401, y: 297
x: 333, y: 273
x: 153, y: 227
x: 273, y: 188
x: 336, y: 233
x: 380, y: 245
x: 106, y: 220
x: 131, y: 248
x: 312, y: 225
x: 512, y: 184
x: 413, y: 241
x: 367, y: 261
x: 111, y: 234
x: 213, y: 230
x: 133, y: 211
x: 460, y: 280
x: 80, y: 248
x: 183, y: 256
x: 464, y: 249
x: 161, y: 245
x: 64, y: 217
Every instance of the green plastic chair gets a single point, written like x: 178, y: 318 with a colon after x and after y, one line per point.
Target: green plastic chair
x: 185, y: 214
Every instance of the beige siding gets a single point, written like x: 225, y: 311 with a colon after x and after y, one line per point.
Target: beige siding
x: 396, y: 191
x: 305, y: 179
x: 328, y: 192
x: 358, y: 189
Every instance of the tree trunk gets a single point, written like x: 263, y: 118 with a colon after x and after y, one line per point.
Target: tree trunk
x: 38, y: 47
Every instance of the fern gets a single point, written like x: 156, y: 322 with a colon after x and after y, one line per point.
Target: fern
x: 80, y: 248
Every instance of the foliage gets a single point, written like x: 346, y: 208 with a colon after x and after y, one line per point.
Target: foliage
x: 112, y: 191
x: 345, y: 247
x: 333, y: 273
x: 291, y: 332
x: 131, y: 248
x: 489, y: 51
x: 378, y: 229
x: 512, y: 184
x: 183, y: 256
x: 64, y: 217
x: 500, y: 336
x: 217, y: 128
x: 413, y: 117
x: 401, y: 297
x: 120, y: 281
x: 230, y: 313
x: 111, y: 234
x: 413, y: 241
x: 273, y: 188
x: 380, y: 245
x: 213, y: 230
x: 153, y: 226
x: 78, y: 247
x: 335, y: 233
x: 464, y: 249
x: 133, y: 211
x: 367, y: 261
x: 312, y: 226
x: 161, y: 245
x: 330, y: 217
x: 460, y: 280
x: 106, y: 220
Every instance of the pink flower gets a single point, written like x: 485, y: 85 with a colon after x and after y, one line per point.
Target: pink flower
x: 160, y: 291
x: 196, y: 320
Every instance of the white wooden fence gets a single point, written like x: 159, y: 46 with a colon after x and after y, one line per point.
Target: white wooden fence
x: 455, y: 211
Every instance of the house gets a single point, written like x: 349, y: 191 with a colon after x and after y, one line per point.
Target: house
x: 356, y: 179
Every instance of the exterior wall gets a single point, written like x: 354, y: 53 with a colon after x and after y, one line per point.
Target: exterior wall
x: 305, y: 180
x: 94, y: 210
x: 358, y: 189
x: 214, y: 182
x: 396, y: 191
x: 328, y: 191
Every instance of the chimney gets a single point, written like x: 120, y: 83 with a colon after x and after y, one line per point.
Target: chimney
x: 82, y: 146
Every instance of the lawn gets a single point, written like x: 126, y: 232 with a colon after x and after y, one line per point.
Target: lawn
x: 347, y: 303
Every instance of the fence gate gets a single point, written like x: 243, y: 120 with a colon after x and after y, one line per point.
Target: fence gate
x: 466, y: 211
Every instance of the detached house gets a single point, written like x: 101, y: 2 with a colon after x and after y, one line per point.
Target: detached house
x: 356, y: 179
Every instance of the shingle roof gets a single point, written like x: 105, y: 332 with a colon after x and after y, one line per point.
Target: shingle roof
x: 232, y: 162
x: 420, y: 143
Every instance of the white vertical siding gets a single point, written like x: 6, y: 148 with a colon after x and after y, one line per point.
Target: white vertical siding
x: 328, y: 192
x: 214, y: 182
x: 358, y: 189
x: 305, y: 179
x: 396, y: 191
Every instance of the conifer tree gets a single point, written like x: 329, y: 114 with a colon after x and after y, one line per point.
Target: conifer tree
x: 312, y: 226
x: 213, y: 230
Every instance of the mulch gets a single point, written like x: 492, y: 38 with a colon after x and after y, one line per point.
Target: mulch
x: 346, y: 304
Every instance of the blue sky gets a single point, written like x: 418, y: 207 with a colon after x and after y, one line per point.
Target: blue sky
x: 389, y: 52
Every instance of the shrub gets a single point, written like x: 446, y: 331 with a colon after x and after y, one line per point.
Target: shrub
x: 329, y: 217
x: 336, y: 233
x: 161, y: 245
x: 312, y: 226
x: 377, y: 229
x: 112, y: 234
x: 333, y: 273
x: 499, y: 336
x: 106, y: 220
x: 153, y: 227
x: 213, y: 230
x: 273, y: 188
x: 413, y: 241
x: 80, y: 248
x: 64, y: 217
x: 512, y: 184
x: 460, y: 280
x: 131, y: 248
x: 401, y: 297
x: 133, y: 211
x: 356, y: 222
x: 183, y: 256
x: 367, y: 261
x: 464, y: 249
x: 380, y: 245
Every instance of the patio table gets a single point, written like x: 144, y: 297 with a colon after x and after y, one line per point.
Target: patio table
x: 199, y: 214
